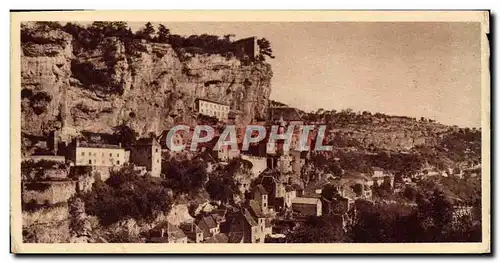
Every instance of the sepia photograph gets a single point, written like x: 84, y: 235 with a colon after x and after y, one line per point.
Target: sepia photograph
x: 226, y: 131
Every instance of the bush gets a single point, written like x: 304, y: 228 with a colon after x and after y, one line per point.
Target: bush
x: 125, y: 195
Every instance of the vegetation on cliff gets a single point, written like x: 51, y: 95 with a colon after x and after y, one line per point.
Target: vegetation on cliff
x: 126, y: 194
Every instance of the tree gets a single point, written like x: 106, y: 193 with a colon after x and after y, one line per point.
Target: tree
x: 186, y: 176
x: 147, y: 32
x: 220, y: 189
x: 163, y: 34
x: 126, y: 135
x: 126, y: 195
x: 324, y: 229
x: 264, y: 49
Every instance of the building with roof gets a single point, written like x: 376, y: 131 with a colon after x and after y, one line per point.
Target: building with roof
x: 218, y: 238
x: 246, y: 48
x: 225, y: 153
x: 209, y: 225
x: 285, y: 115
x: 307, y: 206
x: 290, y: 194
x: 177, y: 139
x: 380, y: 176
x: 212, y: 108
x: 242, y: 227
x: 192, y: 231
x: 92, y: 154
x: 275, y: 190
x: 261, y: 197
x: 165, y: 232
x: 147, y: 152
x: 262, y: 219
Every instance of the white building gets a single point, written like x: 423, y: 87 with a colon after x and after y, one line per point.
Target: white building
x: 212, y: 108
x: 89, y: 154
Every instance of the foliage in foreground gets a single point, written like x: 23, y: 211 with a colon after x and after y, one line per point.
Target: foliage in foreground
x: 125, y: 195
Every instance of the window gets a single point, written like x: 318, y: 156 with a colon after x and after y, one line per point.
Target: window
x: 117, y: 155
x: 110, y: 155
x: 118, y: 162
x: 83, y: 153
x: 156, y: 150
x: 90, y: 161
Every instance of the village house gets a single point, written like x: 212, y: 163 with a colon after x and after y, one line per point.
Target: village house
x: 165, y: 232
x: 360, y: 183
x: 263, y: 220
x: 246, y: 48
x: 307, y: 206
x: 225, y: 153
x: 259, y: 164
x: 290, y: 194
x: 208, y: 224
x: 177, y: 139
x: 261, y: 196
x: 276, y: 191
x: 380, y: 176
x: 258, y: 208
x: 285, y: 115
x: 218, y: 238
x: 147, y: 152
x: 91, y: 154
x: 212, y: 108
x: 251, y: 229
x: 193, y: 232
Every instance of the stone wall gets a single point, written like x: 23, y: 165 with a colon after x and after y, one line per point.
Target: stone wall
x: 47, y: 192
x: 45, y: 215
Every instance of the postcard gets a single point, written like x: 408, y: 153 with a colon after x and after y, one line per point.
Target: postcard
x: 250, y: 132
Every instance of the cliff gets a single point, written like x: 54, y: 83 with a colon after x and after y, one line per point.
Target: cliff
x: 148, y: 86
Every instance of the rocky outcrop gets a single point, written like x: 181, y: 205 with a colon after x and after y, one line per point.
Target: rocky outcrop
x: 149, y: 86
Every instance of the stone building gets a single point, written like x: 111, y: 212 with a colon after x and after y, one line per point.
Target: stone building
x: 380, y: 176
x: 307, y: 206
x: 147, y: 152
x: 209, y: 225
x: 48, y: 192
x: 193, y: 232
x: 90, y: 154
x: 177, y: 139
x: 166, y: 232
x: 246, y: 48
x: 215, y: 109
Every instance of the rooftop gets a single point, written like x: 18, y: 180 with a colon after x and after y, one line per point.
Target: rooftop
x: 260, y: 188
x: 287, y: 113
x: 219, y: 238
x: 248, y: 217
x: 170, y: 231
x: 98, y: 145
x: 146, y: 141
x: 255, y: 207
x: 212, y: 101
x: 305, y: 200
x: 209, y: 221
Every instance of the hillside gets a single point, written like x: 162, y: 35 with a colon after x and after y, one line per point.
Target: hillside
x: 362, y: 140
x: 97, y: 77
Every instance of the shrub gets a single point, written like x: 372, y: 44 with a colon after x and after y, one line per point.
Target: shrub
x: 126, y: 195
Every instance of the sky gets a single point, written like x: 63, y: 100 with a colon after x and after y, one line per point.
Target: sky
x: 416, y: 69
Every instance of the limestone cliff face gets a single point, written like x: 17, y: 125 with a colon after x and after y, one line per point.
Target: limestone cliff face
x: 145, y: 85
